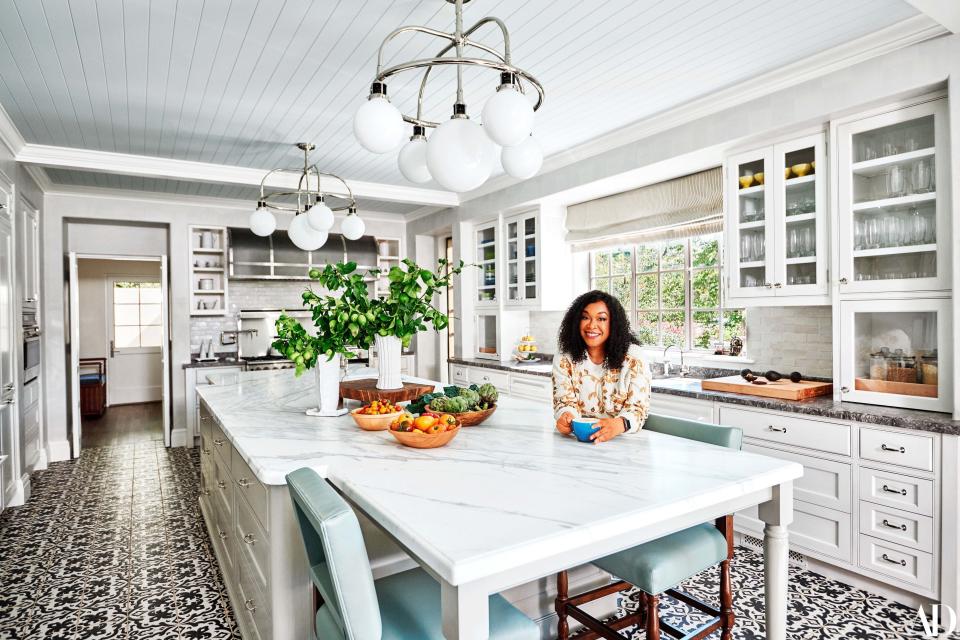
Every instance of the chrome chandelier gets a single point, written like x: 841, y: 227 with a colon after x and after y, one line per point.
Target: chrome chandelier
x: 459, y: 153
x: 313, y: 215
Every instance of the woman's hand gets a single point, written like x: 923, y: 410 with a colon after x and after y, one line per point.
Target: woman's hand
x: 609, y: 428
x: 563, y: 423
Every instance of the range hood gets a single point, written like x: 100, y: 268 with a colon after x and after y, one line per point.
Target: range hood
x: 275, y: 257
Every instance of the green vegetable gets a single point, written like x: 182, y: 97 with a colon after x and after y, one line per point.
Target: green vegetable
x: 451, y: 392
x: 488, y: 394
x: 471, y: 398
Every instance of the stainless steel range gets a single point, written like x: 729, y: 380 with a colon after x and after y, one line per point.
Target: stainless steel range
x: 266, y: 363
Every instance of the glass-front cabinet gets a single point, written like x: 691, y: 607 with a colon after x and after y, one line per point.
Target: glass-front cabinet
x: 776, y: 223
x: 486, y: 238
x: 521, y: 258
x: 488, y: 336
x: 893, y: 213
x: 897, y: 353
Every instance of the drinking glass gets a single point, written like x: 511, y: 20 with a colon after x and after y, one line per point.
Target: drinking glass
x: 896, y: 181
x: 873, y: 233
x: 858, y: 232
x: 792, y: 242
x: 745, y: 247
x: 808, y: 243
x: 923, y: 176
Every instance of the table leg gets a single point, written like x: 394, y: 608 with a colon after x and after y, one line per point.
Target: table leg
x: 777, y: 514
x: 465, y: 612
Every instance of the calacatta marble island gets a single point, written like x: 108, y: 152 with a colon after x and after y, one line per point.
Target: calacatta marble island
x: 504, y: 504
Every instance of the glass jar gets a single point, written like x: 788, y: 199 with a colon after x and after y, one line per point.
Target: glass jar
x: 878, y: 366
x: 901, y: 368
x: 929, y: 373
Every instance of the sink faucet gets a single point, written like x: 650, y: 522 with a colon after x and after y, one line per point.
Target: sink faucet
x: 230, y: 337
x: 684, y: 370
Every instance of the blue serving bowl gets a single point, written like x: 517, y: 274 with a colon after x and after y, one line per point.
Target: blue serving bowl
x: 583, y: 428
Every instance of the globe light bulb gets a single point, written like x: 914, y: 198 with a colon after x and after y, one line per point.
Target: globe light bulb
x: 352, y: 226
x: 523, y: 160
x: 413, y: 158
x: 378, y: 125
x: 304, y: 236
x: 320, y: 217
x: 459, y: 155
x: 507, y: 116
x: 262, y: 222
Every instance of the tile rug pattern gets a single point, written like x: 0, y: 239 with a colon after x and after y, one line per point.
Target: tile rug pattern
x: 112, y: 546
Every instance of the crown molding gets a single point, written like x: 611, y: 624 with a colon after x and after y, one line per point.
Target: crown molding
x: 902, y: 34
x: 188, y: 170
x: 9, y: 134
x: 946, y: 12
x: 39, y: 176
x: 422, y: 212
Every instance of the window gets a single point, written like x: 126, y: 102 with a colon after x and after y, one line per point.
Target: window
x: 671, y: 290
x: 136, y: 315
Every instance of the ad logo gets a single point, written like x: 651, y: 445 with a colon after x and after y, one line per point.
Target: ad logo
x: 931, y: 627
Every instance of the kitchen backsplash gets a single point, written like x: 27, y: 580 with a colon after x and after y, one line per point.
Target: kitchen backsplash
x: 781, y: 338
x: 245, y: 294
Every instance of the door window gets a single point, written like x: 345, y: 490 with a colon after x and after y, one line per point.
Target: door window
x: 136, y: 315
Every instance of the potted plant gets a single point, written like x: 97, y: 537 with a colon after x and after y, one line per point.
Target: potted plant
x: 343, y: 321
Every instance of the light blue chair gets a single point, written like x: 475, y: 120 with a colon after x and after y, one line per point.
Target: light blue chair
x: 656, y: 567
x: 349, y: 604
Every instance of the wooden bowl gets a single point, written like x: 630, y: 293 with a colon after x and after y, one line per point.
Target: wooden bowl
x: 374, y: 422
x: 469, y: 418
x: 419, y: 440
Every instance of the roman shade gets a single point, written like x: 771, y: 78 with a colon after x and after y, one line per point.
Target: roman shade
x: 685, y: 206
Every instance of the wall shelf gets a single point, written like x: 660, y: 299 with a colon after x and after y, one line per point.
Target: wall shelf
x: 207, y: 243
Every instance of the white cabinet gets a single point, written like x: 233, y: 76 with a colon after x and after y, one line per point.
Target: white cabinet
x: 28, y: 254
x: 776, y: 221
x: 893, y: 201
x: 10, y: 447
x: 486, y: 260
x: 194, y: 377
x: 522, y: 258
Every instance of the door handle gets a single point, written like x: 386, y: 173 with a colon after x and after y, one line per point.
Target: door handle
x: 113, y: 349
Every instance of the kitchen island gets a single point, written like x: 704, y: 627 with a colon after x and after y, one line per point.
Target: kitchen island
x: 504, y: 504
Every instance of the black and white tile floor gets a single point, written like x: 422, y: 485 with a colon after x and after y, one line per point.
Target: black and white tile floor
x: 112, y: 546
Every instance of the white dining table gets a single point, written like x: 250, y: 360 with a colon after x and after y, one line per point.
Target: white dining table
x: 512, y: 501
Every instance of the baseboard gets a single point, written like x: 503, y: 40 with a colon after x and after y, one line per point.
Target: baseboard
x: 42, y: 461
x: 58, y: 450
x: 25, y: 487
x: 178, y: 438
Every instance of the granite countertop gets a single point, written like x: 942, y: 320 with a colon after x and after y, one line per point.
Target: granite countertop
x: 231, y: 360
x: 824, y: 407
x: 541, y: 368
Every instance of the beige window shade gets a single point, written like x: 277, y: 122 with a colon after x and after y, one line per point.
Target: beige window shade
x: 686, y: 206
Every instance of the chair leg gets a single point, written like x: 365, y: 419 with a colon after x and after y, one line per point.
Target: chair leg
x: 653, y: 617
x: 563, y: 629
x: 726, y: 601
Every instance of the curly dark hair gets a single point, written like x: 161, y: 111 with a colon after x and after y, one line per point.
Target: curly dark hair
x: 571, y: 342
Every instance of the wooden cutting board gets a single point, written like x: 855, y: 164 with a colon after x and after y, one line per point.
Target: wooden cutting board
x: 782, y: 389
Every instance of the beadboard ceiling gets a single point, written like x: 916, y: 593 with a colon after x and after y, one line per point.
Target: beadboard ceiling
x: 236, y: 82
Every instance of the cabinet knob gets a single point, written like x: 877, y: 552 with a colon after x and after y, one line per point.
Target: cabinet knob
x: 221, y: 484
x: 249, y: 539
x: 243, y: 483
x: 844, y: 389
x: 219, y: 443
x: 222, y: 534
x: 843, y: 281
x: 206, y: 492
x: 777, y: 285
x: 250, y: 606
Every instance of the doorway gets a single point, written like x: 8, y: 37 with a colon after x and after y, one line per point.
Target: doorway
x: 118, y: 350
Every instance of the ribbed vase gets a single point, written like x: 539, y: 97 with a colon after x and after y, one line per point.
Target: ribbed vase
x: 388, y: 362
x: 328, y: 384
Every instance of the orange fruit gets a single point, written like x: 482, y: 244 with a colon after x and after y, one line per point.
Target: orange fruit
x: 424, y: 422
x: 448, y: 420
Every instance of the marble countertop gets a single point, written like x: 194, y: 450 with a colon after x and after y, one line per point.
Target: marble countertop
x: 824, y: 407
x: 448, y: 506
x: 542, y: 368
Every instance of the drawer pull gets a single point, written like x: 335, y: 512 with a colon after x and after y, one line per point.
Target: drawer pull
x: 902, y: 492
x: 901, y: 562
x: 221, y: 484
x: 892, y: 449
x: 218, y: 442
x: 205, y: 492
x: 899, y: 527
x: 250, y: 606
x: 243, y: 483
x: 249, y: 539
x: 780, y: 430
x: 205, y: 452
x: 204, y: 418
x: 222, y: 534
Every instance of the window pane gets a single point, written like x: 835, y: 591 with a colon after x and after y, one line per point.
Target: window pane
x: 705, y: 251
x: 647, y: 258
x: 733, y: 324
x: 150, y: 292
x: 126, y: 337
x: 672, y: 290
x: 621, y: 291
x: 706, y: 288
x: 126, y: 314
x: 647, y: 291
x: 151, y: 336
x: 149, y: 314
x: 646, y: 328
x: 620, y: 261
x: 603, y: 284
x: 673, y: 328
x: 601, y: 264
x: 126, y: 293
x: 673, y: 254
x: 706, y: 329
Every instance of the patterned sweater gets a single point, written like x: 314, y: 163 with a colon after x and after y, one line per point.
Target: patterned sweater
x: 585, y: 389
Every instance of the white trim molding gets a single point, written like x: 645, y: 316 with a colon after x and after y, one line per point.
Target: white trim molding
x: 191, y: 171
x: 946, y: 12
x: 9, y: 134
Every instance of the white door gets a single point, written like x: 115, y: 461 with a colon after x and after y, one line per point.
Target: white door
x: 165, y: 352
x: 74, y: 349
x: 135, y: 333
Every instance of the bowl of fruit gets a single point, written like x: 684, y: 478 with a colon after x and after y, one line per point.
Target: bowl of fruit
x: 469, y: 405
x: 376, y: 416
x: 426, y: 431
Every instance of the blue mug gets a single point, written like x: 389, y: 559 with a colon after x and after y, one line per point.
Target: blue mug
x: 583, y: 428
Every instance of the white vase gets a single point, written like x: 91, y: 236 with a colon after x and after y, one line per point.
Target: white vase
x: 388, y: 362
x: 328, y: 387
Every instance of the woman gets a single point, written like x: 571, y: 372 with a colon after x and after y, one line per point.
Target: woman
x: 599, y: 372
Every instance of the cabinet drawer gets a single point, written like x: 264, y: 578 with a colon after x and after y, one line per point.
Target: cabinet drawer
x: 814, y: 528
x: 221, y: 446
x: 255, y: 606
x: 222, y: 488
x: 909, y: 529
x: 790, y: 430
x: 824, y: 482
x: 902, y: 449
x: 223, y: 530
x: 252, y: 541
x: 251, y: 489
x: 896, y: 490
x: 458, y: 374
x: 533, y: 387
x: 676, y: 407
x: 914, y: 567
x: 205, y: 420
x: 31, y: 393
x: 499, y: 379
